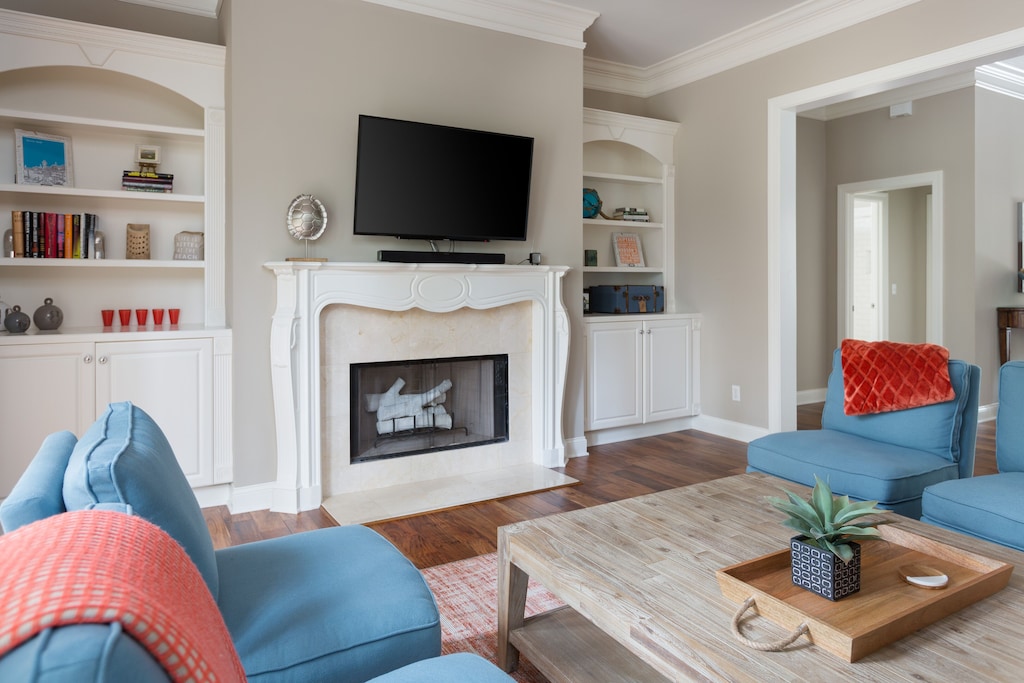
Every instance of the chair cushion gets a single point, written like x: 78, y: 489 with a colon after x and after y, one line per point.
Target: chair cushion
x: 124, y: 457
x: 83, y: 653
x: 935, y: 428
x: 37, y: 494
x: 860, y: 468
x: 371, y: 611
x: 987, y: 507
x: 462, y: 667
x: 1010, y: 421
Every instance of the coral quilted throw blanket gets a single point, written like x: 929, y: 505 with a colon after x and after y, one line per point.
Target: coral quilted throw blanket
x: 100, y: 566
x: 883, y: 376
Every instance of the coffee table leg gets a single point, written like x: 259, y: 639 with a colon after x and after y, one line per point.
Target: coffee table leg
x: 512, y: 584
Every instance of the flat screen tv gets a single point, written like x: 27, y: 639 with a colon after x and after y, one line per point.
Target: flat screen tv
x: 431, y: 182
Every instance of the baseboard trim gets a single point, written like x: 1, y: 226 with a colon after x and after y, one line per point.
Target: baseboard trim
x: 576, y: 447
x: 810, y: 396
x: 616, y: 434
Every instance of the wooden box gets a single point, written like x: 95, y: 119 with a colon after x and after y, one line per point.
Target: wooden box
x: 886, y: 608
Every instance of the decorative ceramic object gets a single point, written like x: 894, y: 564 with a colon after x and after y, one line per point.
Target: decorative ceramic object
x: 48, y: 316
x: 823, y: 572
x: 137, y: 241
x: 15, y: 321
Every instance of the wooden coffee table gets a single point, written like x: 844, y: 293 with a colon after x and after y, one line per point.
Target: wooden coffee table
x: 643, y: 602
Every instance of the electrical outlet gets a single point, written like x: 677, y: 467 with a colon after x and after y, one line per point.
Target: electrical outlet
x: 736, y: 392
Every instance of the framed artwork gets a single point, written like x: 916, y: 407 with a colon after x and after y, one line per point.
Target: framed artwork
x: 628, y: 252
x: 147, y: 154
x: 43, y: 159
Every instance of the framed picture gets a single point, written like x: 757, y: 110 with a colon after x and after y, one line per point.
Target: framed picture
x: 628, y: 251
x: 43, y: 159
x: 147, y: 154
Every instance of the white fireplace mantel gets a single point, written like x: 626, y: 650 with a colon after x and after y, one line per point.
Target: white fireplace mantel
x: 304, y: 289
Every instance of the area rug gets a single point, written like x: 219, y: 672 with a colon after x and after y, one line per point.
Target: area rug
x: 467, y: 598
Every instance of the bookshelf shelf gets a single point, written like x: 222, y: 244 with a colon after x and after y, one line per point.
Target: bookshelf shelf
x: 621, y: 226
x: 99, y: 263
x: 125, y: 195
x: 29, y: 120
x: 622, y: 178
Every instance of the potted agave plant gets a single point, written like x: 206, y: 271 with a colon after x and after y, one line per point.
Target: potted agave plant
x: 826, y: 556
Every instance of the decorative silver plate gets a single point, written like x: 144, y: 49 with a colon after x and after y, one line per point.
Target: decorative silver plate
x: 307, y: 217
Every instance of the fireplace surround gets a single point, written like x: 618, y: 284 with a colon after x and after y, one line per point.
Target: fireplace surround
x: 389, y: 308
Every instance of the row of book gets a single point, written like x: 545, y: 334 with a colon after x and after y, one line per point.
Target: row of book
x: 631, y: 213
x: 145, y: 181
x: 39, y: 234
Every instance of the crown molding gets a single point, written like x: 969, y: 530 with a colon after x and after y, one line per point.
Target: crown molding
x: 99, y: 42
x: 781, y: 31
x: 1003, y: 78
x: 201, y: 8
x: 551, y: 22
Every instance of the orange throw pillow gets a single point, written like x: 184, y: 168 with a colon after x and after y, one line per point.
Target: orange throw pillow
x: 883, y: 376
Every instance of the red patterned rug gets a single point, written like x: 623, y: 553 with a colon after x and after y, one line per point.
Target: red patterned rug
x: 467, y: 597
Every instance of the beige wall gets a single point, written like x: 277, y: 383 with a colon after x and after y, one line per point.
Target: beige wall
x: 872, y: 146
x: 816, y: 245
x: 299, y: 80
x: 722, y: 268
x: 999, y: 181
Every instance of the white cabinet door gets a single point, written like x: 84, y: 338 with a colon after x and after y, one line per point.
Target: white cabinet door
x: 47, y: 388
x: 614, y: 374
x: 667, y: 357
x: 172, y: 380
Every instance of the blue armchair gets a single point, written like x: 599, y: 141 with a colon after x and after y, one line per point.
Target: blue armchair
x: 990, y: 507
x: 889, y: 457
x: 336, y: 604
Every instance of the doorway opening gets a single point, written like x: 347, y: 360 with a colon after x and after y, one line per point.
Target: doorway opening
x: 889, y: 259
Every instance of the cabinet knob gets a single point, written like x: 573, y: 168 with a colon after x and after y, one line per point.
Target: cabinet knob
x: 102, y: 360
x: 87, y: 358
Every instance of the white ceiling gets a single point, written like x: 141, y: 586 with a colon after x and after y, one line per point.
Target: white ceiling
x: 644, y: 47
x: 637, y: 33
x: 642, y: 33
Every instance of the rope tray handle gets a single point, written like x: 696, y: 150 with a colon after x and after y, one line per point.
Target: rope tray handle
x: 771, y: 646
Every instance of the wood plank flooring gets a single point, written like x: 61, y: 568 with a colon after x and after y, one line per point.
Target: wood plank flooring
x: 611, y: 472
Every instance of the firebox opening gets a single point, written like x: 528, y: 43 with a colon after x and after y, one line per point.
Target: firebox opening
x: 418, y: 406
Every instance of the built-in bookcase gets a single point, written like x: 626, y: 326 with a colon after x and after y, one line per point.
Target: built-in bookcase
x: 109, y: 90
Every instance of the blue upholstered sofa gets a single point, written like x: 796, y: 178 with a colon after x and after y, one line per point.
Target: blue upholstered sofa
x: 336, y: 604
x: 889, y: 457
x: 990, y: 507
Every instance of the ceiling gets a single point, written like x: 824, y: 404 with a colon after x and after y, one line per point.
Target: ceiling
x: 642, y: 33
x: 636, y: 33
x: 644, y: 47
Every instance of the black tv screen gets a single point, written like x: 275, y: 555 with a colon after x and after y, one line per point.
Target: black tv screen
x: 425, y: 181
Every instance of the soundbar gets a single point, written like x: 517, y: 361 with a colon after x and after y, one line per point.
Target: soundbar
x: 438, y: 257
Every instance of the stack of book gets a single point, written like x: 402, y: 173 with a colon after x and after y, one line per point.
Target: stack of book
x: 40, y: 234
x: 630, y: 213
x: 145, y: 181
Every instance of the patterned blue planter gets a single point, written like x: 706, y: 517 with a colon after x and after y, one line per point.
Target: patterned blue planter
x: 821, y: 572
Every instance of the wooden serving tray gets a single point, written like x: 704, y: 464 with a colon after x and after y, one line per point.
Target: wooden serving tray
x: 886, y: 608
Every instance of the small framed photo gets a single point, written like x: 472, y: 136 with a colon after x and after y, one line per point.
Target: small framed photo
x: 628, y: 251
x: 43, y: 159
x: 147, y: 154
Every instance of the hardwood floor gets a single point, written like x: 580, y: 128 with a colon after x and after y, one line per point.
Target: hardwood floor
x: 611, y: 472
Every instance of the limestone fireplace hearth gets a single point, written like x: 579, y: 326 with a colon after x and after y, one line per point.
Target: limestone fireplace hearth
x: 331, y: 315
